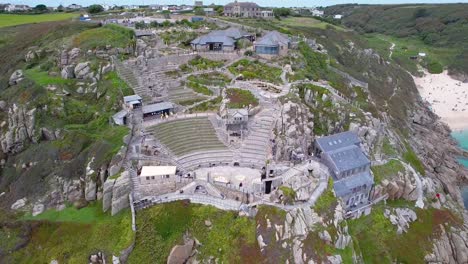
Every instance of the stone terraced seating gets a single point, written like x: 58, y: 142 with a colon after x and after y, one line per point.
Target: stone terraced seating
x: 187, y: 136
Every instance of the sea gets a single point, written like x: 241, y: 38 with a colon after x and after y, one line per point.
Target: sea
x: 462, y: 139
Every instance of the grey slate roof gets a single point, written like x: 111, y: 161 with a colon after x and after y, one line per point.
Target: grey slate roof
x: 242, y: 4
x: 203, y: 40
x: 337, y: 141
x: 130, y: 98
x: 119, y: 115
x: 347, y: 158
x: 273, y: 38
x: 157, y: 107
x: 227, y: 37
x: 346, y: 185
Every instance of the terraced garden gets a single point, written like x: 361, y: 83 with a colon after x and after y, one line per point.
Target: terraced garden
x: 187, y: 136
x: 255, y: 70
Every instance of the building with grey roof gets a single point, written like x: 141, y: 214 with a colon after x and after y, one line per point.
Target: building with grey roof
x: 242, y: 9
x: 349, y: 168
x: 133, y: 101
x: 272, y: 44
x: 220, y: 40
x: 158, y: 109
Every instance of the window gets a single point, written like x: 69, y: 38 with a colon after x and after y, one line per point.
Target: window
x: 152, y: 177
x: 147, y: 178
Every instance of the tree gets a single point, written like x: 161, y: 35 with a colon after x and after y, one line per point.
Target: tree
x: 282, y: 12
x: 199, y: 11
x: 421, y: 12
x: 40, y: 8
x: 94, y: 9
x: 60, y: 8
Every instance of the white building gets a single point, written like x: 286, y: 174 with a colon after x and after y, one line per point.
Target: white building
x: 74, y: 6
x: 14, y: 8
x: 338, y: 16
x: 157, y: 174
x: 317, y: 13
x: 267, y: 14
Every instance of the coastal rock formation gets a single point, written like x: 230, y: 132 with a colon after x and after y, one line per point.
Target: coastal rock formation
x: 83, y: 71
x: 401, y: 218
x: 451, y: 247
x: 294, y: 132
x: 120, y: 191
x: 16, y: 77
x: 181, y: 253
x: 438, y: 151
x: 68, y: 72
x: 20, y: 129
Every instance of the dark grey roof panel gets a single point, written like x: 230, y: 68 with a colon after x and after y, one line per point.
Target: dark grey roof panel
x: 336, y: 141
x: 345, y: 186
x: 157, y: 107
x: 347, y: 158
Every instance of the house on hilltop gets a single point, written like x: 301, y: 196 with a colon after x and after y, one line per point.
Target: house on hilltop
x: 242, y: 9
x: 220, y: 40
x: 349, y: 168
x: 273, y: 44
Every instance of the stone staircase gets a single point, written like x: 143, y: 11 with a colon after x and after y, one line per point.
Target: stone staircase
x: 256, y: 147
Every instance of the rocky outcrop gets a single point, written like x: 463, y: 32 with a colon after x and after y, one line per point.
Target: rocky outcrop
x: 20, y: 129
x: 437, y: 150
x: 294, y: 132
x: 68, y: 72
x: 400, y: 188
x: 16, y: 77
x: 181, y: 253
x: 83, y: 71
x: 120, y: 191
x: 90, y: 182
x: 401, y: 218
x: 451, y: 247
x: 19, y: 204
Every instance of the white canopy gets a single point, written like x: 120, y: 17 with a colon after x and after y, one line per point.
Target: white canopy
x: 157, y: 170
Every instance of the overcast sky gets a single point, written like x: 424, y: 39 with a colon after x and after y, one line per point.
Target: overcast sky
x: 278, y: 3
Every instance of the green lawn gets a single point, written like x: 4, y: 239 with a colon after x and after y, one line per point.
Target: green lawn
x: 376, y: 237
x: 71, y: 235
x: 239, y: 98
x: 161, y: 227
x: 387, y: 171
x: 307, y: 22
x: 406, y: 47
x: 8, y: 20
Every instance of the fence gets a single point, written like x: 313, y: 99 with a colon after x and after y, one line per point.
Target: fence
x: 194, y: 198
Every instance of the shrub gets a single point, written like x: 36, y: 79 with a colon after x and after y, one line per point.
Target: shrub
x: 435, y: 67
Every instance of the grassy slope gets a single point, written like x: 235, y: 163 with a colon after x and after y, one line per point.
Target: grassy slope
x: 161, y: 227
x: 71, y: 235
x: 438, y: 30
x: 8, y: 20
x: 378, y: 242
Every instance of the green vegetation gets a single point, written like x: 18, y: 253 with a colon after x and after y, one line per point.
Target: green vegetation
x: 43, y: 78
x: 378, y: 242
x: 200, y: 64
x: 387, y: 148
x: 326, y: 203
x: 8, y: 20
x: 199, y: 88
x: 439, y: 29
x: 161, y: 227
x: 410, y: 157
x: 316, y: 66
x: 239, y: 98
x: 212, y: 79
x: 72, y: 235
x: 387, y: 171
x: 113, y: 35
x: 435, y: 67
x: 289, y: 194
x: 208, y: 106
x: 307, y: 22
x: 255, y: 70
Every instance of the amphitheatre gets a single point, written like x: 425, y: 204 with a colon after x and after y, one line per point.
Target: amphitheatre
x: 216, y: 128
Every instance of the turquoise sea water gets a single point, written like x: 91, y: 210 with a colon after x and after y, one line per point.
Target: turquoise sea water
x: 462, y: 138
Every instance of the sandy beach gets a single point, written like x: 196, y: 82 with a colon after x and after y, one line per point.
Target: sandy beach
x: 448, y: 98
